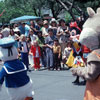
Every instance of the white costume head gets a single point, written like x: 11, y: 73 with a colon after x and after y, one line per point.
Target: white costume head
x: 90, y: 35
x: 8, y: 51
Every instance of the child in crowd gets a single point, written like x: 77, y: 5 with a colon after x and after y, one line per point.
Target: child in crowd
x: 57, y: 55
x: 24, y: 50
x: 36, y: 52
x: 67, y: 52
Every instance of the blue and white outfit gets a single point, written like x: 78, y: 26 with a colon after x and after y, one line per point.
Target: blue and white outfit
x: 14, y: 73
x: 24, y: 53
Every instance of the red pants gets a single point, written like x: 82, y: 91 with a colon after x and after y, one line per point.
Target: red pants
x: 36, y: 63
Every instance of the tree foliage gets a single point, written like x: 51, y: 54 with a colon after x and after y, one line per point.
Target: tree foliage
x: 16, y: 8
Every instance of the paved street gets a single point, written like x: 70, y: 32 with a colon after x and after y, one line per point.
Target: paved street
x: 52, y: 85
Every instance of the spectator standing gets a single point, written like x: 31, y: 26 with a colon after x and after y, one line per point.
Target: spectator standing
x: 36, y: 52
x: 24, y: 50
x: 61, y: 33
x: 22, y: 28
x: 14, y: 36
x: 53, y: 25
x: 49, y: 41
x: 34, y: 27
x: 33, y: 37
x: 45, y: 28
x: 57, y: 55
x: 41, y: 42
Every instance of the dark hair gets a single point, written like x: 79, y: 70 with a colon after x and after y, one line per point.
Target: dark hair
x: 61, y: 20
x: 69, y: 42
x: 50, y: 30
x: 56, y: 39
x: 39, y: 32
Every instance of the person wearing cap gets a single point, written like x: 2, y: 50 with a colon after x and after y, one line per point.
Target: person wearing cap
x: 17, y: 31
x: 53, y: 25
x: 45, y: 28
x: 5, y: 31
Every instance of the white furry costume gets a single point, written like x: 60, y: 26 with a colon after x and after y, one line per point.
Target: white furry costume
x: 90, y: 37
x: 14, y: 72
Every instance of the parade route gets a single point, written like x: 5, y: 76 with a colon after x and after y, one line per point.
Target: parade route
x: 52, y: 85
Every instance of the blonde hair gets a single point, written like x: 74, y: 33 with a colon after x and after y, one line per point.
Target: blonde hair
x: 22, y: 36
x: 35, y: 42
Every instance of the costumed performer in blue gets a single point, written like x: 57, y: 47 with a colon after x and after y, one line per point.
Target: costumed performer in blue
x: 14, y: 72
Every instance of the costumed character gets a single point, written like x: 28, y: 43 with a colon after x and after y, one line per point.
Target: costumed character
x: 90, y: 37
x: 78, y: 61
x: 14, y: 72
x: 76, y: 49
x: 75, y: 53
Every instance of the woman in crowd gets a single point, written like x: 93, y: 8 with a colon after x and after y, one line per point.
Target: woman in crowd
x: 49, y: 41
x: 45, y: 28
x: 41, y: 43
x: 61, y: 34
x: 14, y: 36
x: 54, y: 26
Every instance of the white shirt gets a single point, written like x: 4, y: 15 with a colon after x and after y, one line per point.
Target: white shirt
x: 24, y: 48
x: 33, y: 38
x: 37, y: 53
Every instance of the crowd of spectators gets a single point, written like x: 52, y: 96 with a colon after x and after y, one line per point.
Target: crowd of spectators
x: 49, y: 42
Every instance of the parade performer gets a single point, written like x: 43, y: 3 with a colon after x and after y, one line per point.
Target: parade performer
x: 75, y: 57
x: 14, y: 72
x: 90, y: 37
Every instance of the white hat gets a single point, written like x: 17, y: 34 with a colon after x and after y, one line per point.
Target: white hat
x: 16, y: 29
x: 53, y: 20
x: 45, y: 22
x: 5, y: 32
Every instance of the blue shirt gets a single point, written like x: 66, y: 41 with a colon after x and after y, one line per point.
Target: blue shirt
x: 22, y: 29
x: 14, y: 73
x: 50, y: 41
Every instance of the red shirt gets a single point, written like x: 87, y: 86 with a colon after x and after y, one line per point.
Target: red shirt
x: 33, y: 50
x: 85, y: 49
